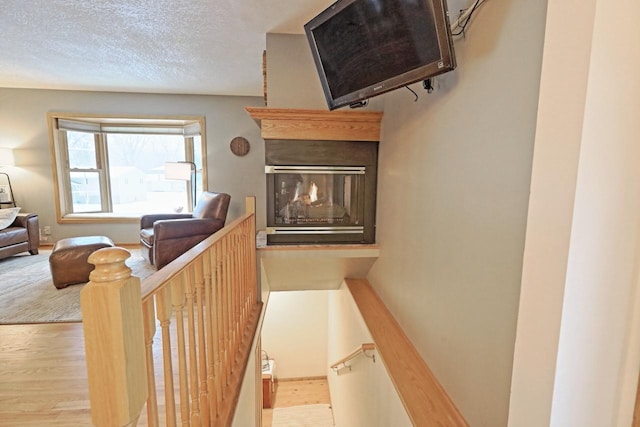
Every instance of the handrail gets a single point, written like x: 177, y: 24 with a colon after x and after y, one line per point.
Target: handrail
x: 355, y: 353
x: 189, y: 328
x: 423, y: 397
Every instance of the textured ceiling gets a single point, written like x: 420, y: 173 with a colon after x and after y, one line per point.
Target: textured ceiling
x: 158, y: 46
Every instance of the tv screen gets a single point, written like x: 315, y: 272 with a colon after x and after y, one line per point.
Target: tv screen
x: 364, y: 48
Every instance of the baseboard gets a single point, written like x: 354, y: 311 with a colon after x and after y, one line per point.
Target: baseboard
x: 128, y: 245
x: 45, y: 245
x: 282, y: 380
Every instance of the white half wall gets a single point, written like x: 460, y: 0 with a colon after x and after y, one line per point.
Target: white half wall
x: 363, y: 395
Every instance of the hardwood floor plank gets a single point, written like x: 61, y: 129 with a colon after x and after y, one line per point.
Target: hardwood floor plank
x: 43, y: 376
x: 297, y: 392
x: 43, y: 379
x: 301, y: 392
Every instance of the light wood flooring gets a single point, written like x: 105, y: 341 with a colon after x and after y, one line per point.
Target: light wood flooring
x: 295, y: 393
x: 39, y: 387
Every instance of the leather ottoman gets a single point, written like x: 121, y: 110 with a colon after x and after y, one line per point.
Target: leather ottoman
x: 68, y: 259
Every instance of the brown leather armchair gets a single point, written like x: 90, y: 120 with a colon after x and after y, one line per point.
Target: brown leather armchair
x: 165, y: 237
x: 22, y: 235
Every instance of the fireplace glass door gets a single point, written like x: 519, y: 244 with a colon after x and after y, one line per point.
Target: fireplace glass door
x: 312, y: 200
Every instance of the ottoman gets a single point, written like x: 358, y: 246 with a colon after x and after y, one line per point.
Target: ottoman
x: 68, y: 259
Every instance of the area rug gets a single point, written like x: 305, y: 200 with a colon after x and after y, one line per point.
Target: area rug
x: 303, y: 416
x: 27, y: 293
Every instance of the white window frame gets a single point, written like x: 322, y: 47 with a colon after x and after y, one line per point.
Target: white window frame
x: 100, y: 125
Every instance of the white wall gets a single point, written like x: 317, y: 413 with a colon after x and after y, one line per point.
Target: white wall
x: 563, y: 84
x: 584, y: 214
x: 364, y: 395
x: 248, y: 409
x: 294, y: 333
x: 23, y: 127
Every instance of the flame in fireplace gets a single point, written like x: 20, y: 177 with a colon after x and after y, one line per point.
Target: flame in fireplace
x: 313, y: 192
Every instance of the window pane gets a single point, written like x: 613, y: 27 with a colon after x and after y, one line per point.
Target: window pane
x: 82, y: 150
x: 136, y: 173
x: 85, y: 192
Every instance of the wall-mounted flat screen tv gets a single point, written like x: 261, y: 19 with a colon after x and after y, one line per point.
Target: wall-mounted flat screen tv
x: 364, y: 48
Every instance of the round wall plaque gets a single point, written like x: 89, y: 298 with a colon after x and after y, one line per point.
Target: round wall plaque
x: 239, y: 146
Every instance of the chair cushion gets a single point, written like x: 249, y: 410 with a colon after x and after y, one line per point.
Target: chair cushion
x: 146, y: 235
x: 13, y: 235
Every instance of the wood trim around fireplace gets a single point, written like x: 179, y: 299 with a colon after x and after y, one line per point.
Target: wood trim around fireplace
x: 284, y: 123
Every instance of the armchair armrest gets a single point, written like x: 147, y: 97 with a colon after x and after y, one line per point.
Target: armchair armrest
x: 146, y: 221
x: 30, y: 222
x: 180, y: 228
x: 22, y: 219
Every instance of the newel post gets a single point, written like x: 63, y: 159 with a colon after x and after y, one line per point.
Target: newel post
x: 114, y: 340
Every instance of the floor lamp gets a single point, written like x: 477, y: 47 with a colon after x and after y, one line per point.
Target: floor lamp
x: 183, y: 171
x: 6, y: 191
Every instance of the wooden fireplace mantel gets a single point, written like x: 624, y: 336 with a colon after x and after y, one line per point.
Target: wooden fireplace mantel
x: 284, y: 123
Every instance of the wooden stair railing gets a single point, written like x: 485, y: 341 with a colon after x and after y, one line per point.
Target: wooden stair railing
x: 424, y: 399
x: 179, y: 342
x: 369, y: 346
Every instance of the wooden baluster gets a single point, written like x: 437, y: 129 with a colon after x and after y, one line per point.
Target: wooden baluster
x: 163, y: 309
x: 245, y: 270
x: 242, y: 281
x: 240, y: 276
x: 237, y: 286
x: 231, y: 304
x: 221, y: 363
x: 114, y: 340
x: 177, y: 301
x: 212, y: 336
x: 149, y: 319
x: 246, y: 261
x: 230, y: 307
x: 250, y: 207
x: 196, y: 418
x: 228, y: 327
x: 197, y: 277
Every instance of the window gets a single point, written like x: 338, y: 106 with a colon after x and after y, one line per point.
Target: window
x: 114, y: 167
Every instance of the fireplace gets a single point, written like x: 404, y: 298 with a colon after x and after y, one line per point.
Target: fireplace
x: 320, y: 191
x: 321, y: 170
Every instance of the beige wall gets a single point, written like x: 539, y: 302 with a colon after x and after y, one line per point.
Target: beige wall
x: 23, y: 127
x: 294, y: 333
x: 292, y: 81
x: 453, y: 193
x: 452, y: 207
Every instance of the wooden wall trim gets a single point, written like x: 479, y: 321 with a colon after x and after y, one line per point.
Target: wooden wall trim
x: 284, y: 123
x: 424, y: 398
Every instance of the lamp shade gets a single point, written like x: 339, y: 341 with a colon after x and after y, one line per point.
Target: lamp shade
x: 177, y: 170
x: 6, y: 157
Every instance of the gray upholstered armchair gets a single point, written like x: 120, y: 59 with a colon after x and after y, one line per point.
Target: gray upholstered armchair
x: 165, y: 237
